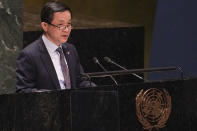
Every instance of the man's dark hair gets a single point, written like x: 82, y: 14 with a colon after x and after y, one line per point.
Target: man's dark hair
x: 50, y: 8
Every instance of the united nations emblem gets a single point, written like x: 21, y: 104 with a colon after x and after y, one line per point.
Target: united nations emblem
x: 153, y: 108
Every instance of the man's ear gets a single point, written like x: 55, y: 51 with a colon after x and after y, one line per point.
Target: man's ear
x: 44, y: 26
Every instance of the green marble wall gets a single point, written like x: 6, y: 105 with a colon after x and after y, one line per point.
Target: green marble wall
x: 11, y: 13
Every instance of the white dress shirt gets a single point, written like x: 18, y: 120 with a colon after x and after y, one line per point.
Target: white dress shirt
x: 55, y: 57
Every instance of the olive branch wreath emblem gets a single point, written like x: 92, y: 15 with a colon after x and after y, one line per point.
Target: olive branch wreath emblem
x: 153, y: 108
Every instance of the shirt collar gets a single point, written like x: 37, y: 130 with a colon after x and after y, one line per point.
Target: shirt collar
x: 51, y: 47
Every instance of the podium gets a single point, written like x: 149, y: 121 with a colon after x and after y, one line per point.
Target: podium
x: 104, y: 108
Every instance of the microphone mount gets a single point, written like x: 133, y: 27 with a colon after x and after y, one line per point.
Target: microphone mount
x: 127, y: 72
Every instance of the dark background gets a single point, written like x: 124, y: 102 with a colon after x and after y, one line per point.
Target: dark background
x: 123, y: 45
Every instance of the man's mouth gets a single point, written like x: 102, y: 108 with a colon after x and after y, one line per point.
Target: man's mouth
x: 65, y: 36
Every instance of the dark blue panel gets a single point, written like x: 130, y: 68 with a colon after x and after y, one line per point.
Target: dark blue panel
x: 175, y: 37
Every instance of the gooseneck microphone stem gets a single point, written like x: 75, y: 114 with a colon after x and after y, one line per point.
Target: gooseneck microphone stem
x: 126, y: 69
x: 101, y: 66
x: 107, y: 59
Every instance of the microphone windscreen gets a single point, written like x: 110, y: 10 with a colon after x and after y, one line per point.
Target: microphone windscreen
x: 107, y: 59
x: 95, y: 60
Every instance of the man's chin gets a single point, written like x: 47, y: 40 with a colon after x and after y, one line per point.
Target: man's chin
x: 64, y: 40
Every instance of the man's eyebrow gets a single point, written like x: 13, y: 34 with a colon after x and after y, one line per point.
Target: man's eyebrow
x: 62, y: 20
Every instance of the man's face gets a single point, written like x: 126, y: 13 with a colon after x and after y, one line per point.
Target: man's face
x: 59, y: 29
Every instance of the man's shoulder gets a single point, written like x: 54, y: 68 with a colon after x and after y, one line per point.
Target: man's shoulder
x: 33, y: 46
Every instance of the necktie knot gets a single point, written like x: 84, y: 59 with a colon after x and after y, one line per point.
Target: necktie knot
x: 59, y: 49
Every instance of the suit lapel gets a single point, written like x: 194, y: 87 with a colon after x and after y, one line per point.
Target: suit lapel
x: 46, y: 59
x: 67, y: 55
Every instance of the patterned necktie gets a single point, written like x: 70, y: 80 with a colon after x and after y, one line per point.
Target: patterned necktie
x: 64, y: 68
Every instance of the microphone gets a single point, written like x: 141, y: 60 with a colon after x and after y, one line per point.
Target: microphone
x: 107, y: 59
x: 96, y: 61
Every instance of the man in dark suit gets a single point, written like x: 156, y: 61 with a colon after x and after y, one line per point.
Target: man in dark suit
x: 41, y: 65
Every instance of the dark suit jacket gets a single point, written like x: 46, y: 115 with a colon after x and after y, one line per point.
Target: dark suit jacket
x: 35, y: 69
